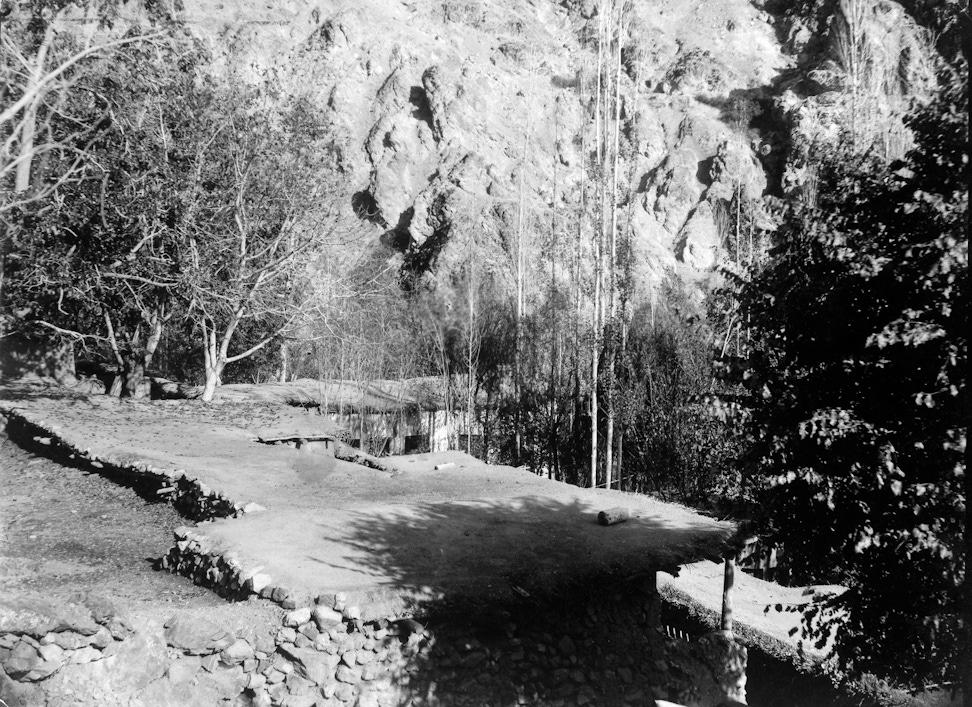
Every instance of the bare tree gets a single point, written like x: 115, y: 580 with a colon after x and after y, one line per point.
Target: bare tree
x: 261, y: 208
x: 854, y: 51
x: 472, y: 335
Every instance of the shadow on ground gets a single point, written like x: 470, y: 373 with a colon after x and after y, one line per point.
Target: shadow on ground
x: 515, y: 547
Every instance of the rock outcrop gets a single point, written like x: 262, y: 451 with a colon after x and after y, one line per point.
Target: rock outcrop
x: 458, y: 116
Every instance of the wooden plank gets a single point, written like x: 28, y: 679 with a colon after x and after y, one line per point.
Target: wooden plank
x: 296, y: 438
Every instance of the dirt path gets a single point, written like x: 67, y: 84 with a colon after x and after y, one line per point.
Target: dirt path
x: 64, y: 530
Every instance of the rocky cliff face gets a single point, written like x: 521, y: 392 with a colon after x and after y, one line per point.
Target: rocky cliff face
x: 461, y: 112
x: 462, y: 121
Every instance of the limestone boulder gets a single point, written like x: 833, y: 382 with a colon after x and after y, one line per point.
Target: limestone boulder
x: 736, y: 169
x: 227, y: 682
x: 237, y: 652
x: 19, y: 694
x: 196, y: 636
x: 37, y: 617
x: 309, y: 663
x: 141, y: 659
x: 402, y: 149
x: 697, y: 70
x: 652, y: 247
x: 700, y: 240
x: 21, y: 660
x: 678, y: 188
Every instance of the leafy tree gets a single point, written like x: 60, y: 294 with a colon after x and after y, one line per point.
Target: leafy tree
x: 857, y: 407
x: 39, y: 70
x: 98, y: 257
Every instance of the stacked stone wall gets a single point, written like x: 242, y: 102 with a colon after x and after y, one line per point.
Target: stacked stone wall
x: 594, y: 648
x: 192, y: 498
x: 584, y: 644
x: 597, y: 642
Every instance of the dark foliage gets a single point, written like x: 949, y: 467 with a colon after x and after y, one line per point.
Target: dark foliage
x: 856, y: 406
x: 100, y: 256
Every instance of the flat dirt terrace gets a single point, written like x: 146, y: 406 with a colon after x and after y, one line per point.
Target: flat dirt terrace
x: 391, y: 540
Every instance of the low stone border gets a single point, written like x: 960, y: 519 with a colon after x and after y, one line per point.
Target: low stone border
x: 37, y: 638
x: 193, y: 499
x: 193, y: 556
x: 598, y: 650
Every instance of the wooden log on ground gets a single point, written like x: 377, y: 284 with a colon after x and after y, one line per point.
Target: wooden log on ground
x: 612, y: 516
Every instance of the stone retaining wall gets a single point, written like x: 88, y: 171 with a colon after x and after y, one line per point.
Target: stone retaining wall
x: 192, y: 557
x: 600, y: 648
x: 193, y: 499
x: 596, y: 643
x: 599, y: 642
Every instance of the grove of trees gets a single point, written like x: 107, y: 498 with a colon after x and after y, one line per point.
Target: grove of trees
x: 159, y: 203
x: 164, y: 220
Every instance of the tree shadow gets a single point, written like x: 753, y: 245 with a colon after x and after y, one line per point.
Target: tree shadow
x: 526, y: 597
x: 497, y: 548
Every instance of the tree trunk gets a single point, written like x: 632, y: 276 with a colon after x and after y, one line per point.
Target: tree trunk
x: 598, y: 321
x: 554, y: 332
x: 965, y: 661
x: 132, y: 375
x: 362, y: 442
x: 619, y: 463
x: 518, y: 343
x: 471, y: 351
x: 214, y: 364
x: 620, y: 458
x: 609, y: 430
x: 212, y: 382
x: 283, y: 362
x: 29, y: 121
x: 612, y: 279
x: 594, y: 364
x: 25, y: 149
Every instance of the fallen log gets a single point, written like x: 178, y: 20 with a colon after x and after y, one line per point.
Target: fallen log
x: 612, y: 516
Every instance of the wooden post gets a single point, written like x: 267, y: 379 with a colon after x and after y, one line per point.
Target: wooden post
x: 730, y: 575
